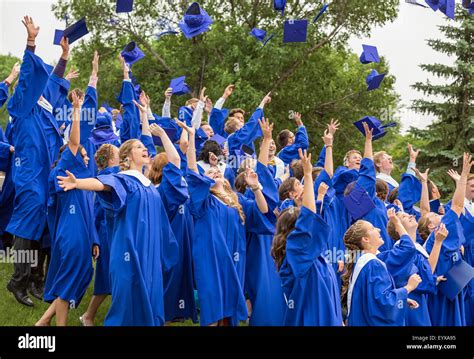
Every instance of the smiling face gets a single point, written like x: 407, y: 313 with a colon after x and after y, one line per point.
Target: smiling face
x: 434, y: 220
x: 85, y: 157
x: 272, y: 149
x: 386, y: 164
x: 372, y: 240
x: 208, y: 130
x: 139, y: 154
x: 297, y: 190
x: 214, y: 173
x: 353, y: 160
x: 408, y: 221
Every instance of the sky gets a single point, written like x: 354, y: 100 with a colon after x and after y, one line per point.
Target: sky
x: 402, y: 43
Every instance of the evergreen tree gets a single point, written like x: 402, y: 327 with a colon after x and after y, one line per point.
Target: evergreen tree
x: 452, y: 132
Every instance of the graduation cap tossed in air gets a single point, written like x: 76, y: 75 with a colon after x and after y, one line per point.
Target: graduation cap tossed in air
x: 195, y: 21
x: 369, y: 54
x: 132, y: 53
x: 469, y: 5
x: 358, y: 202
x: 373, y: 80
x: 170, y: 131
x: 219, y: 139
x: 447, y: 7
x: 321, y: 12
x: 279, y: 5
x: 295, y: 31
x: 457, y: 278
x: 415, y: 2
x: 261, y: 35
x: 124, y: 6
x: 73, y: 32
x: 179, y: 86
x: 375, y: 124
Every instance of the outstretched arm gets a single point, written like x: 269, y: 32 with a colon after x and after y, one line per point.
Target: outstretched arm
x: 88, y: 184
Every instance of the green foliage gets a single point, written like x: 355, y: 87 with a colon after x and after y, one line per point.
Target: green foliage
x: 452, y: 133
x: 321, y: 78
x: 6, y: 64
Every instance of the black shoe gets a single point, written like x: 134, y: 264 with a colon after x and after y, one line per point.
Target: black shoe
x: 36, y: 291
x: 20, y: 295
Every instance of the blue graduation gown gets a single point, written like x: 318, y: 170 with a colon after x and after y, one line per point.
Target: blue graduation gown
x: 142, y: 243
x: 290, y: 153
x: 104, y: 223
x: 218, y: 242
x: 444, y: 312
x: 217, y: 121
x: 130, y: 127
x: 245, y: 136
x: 375, y: 299
x: 409, y: 193
x: 467, y: 223
x: 308, y: 280
x: 7, y: 192
x: 73, y: 234
x: 178, y: 280
x: 378, y: 215
x: 37, y: 143
x: 3, y: 93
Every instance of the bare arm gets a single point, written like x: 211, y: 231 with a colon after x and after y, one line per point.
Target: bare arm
x: 328, y: 160
x: 308, y: 192
x: 75, y: 137
x: 440, y: 235
x: 191, y: 152
x: 171, y: 152
x: 95, y: 71
x: 251, y: 178
x: 425, y: 198
x: 184, y: 142
x: 368, y: 153
x: 88, y: 184
x: 267, y: 129
x: 460, y: 192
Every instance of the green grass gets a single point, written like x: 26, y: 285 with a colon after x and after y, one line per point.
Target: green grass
x: 13, y: 313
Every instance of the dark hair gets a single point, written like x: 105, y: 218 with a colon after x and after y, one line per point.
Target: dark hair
x: 423, y: 229
x: 393, y: 195
x: 297, y: 168
x: 381, y: 188
x: 430, y: 189
x: 79, y: 93
x: 286, y: 187
x: 240, y: 184
x: 283, y: 137
x: 285, y: 225
x: 210, y: 146
x: 316, y: 172
x: 61, y: 150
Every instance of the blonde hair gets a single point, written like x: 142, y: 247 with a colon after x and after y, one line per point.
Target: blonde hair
x: 348, y: 155
x: 230, y: 198
x: 124, y: 152
x: 191, y: 101
x: 377, y: 158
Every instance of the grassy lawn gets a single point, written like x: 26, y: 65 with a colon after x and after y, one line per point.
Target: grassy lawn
x: 13, y: 313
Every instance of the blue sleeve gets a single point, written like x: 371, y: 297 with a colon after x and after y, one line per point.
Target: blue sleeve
x: 322, y: 158
x: 199, y: 187
x: 33, y: 78
x: 428, y: 279
x: 255, y: 221
x: 270, y: 190
x: 173, y: 189
x: 131, y: 119
x: 217, y: 121
x: 409, y: 191
x: 367, y: 176
x: 56, y: 90
x: 383, y: 298
x: 115, y: 199
x: 306, y: 242
x: 399, y: 260
x: 247, y: 134
x: 290, y: 153
x: 3, y: 93
x: 149, y: 144
x: 88, y: 114
x: 4, y: 151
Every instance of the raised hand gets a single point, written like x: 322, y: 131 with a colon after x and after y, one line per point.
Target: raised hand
x: 441, y: 233
x: 202, y: 95
x: 208, y: 105
x: 251, y: 178
x: 368, y: 132
x: 306, y: 161
x: 31, y: 28
x: 266, y: 100
x: 423, y: 177
x: 123, y: 65
x: 392, y: 216
x: 168, y: 93
x: 228, y: 91
x: 72, y: 74
x: 213, y: 159
x: 266, y: 127
x: 297, y: 117
x: 156, y: 130
x: 67, y: 183
x: 190, y: 130
x: 76, y: 100
x: 322, y: 190
x: 413, y: 154
x: 141, y: 107
x: 65, y: 46
x: 144, y: 99
x: 466, y: 164
x: 327, y: 138
x: 454, y: 175
x: 333, y: 126
x: 15, y: 70
x: 95, y: 63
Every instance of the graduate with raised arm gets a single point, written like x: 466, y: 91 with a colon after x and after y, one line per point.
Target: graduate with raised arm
x: 72, y: 229
x: 130, y: 128
x: 291, y: 143
x: 218, y: 243
x: 166, y: 175
x: 308, y: 280
x: 107, y: 162
x: 467, y: 223
x: 363, y: 191
x: 409, y: 190
x: 5, y: 84
x: 368, y: 288
x: 241, y: 134
x: 218, y: 115
x: 443, y: 311
x: 37, y: 143
x: 262, y: 283
x: 142, y: 241
x: 422, y: 263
